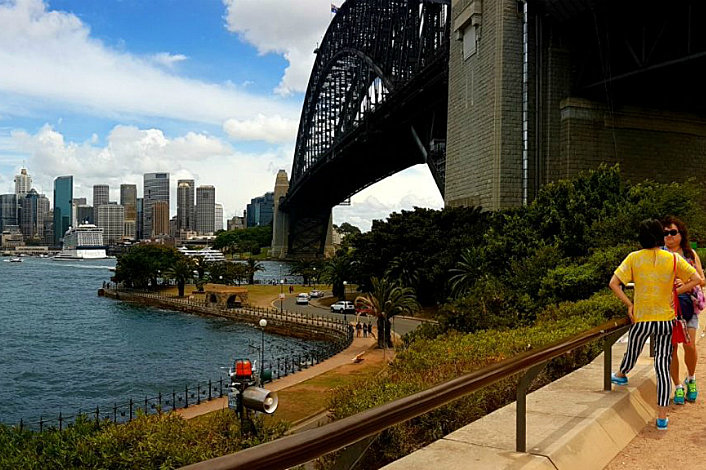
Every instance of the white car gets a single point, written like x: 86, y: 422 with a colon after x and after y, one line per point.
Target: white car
x: 315, y: 294
x: 302, y: 299
x: 343, y: 306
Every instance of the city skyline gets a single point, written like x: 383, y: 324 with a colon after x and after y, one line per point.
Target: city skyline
x: 210, y: 91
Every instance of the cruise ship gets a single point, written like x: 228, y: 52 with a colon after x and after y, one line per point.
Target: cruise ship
x: 82, y: 242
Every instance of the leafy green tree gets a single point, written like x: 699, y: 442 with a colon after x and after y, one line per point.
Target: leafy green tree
x: 307, y: 269
x: 141, y: 265
x: 249, y: 240
x: 181, y: 271
x: 385, y: 300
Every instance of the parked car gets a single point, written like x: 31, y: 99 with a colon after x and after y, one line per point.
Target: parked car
x: 302, y: 299
x: 316, y: 294
x: 343, y: 306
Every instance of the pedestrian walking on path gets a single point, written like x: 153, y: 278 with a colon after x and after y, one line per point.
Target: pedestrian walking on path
x: 652, y: 270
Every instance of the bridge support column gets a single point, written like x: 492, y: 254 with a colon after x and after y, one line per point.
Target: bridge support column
x: 280, y: 221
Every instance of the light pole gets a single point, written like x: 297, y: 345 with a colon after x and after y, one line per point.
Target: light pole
x: 345, y: 286
x: 281, y: 294
x: 263, y: 324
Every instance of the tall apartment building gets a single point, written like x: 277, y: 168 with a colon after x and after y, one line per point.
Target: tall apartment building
x: 128, y: 199
x: 111, y: 218
x: 9, y: 210
x: 205, y: 209
x: 34, y: 209
x: 23, y: 183
x: 218, y: 224
x: 63, y: 197
x: 260, y: 210
x: 185, y: 205
x: 156, y: 188
x: 160, y: 218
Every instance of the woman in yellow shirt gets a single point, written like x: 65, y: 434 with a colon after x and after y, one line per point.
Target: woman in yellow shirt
x: 652, y: 270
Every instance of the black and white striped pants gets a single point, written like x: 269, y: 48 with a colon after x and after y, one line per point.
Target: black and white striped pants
x: 639, y: 332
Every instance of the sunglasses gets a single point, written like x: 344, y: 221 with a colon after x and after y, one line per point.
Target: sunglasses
x: 672, y: 232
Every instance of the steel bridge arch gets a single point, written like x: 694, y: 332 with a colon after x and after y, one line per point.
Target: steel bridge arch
x: 392, y: 39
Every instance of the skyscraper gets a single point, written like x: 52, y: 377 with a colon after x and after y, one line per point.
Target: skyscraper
x: 63, y: 195
x: 260, y: 210
x: 185, y: 205
x: 218, y: 224
x: 9, y: 210
x: 128, y: 199
x: 160, y: 218
x: 156, y: 188
x: 34, y: 209
x: 112, y: 220
x: 205, y: 209
x: 139, y: 230
x: 23, y: 183
x: 101, y: 195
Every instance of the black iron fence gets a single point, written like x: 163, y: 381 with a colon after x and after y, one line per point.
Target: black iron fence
x: 195, y: 394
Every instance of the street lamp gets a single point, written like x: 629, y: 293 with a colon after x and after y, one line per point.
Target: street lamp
x: 263, y: 324
x: 281, y: 294
x: 345, y: 285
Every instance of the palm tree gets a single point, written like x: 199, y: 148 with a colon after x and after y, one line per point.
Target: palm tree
x: 337, y: 270
x: 384, y: 301
x: 181, y: 271
x: 467, y: 271
x: 252, y: 267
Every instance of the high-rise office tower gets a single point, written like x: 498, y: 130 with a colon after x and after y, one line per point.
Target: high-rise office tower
x: 139, y: 232
x: 261, y: 209
x: 128, y: 199
x: 101, y: 195
x: 218, y: 224
x: 156, y: 188
x: 34, y: 210
x: 23, y: 183
x: 111, y: 218
x: 185, y: 205
x: 160, y: 218
x: 9, y: 210
x: 83, y: 214
x: 205, y: 209
x: 63, y: 195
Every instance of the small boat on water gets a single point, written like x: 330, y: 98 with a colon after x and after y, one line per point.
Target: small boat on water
x: 15, y: 260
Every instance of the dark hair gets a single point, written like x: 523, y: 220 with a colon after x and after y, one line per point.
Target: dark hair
x: 683, y: 231
x: 651, y: 233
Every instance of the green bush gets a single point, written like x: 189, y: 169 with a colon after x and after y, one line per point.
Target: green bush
x: 154, y: 441
x: 429, y: 361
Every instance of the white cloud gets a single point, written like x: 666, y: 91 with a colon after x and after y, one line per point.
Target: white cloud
x: 168, y: 60
x: 274, y: 129
x: 130, y: 152
x: 413, y: 187
x: 291, y: 28
x: 49, y: 58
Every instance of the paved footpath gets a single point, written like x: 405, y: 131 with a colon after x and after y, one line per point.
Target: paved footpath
x: 683, y: 444
x: 359, y: 346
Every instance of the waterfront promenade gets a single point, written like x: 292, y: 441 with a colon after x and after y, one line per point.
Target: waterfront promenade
x: 573, y: 424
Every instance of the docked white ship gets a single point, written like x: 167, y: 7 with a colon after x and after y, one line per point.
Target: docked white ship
x: 82, y: 242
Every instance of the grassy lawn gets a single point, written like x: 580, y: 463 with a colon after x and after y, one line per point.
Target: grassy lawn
x: 259, y: 295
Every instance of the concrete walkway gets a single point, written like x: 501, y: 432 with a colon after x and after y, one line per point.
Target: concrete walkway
x: 571, y: 424
x: 359, y: 346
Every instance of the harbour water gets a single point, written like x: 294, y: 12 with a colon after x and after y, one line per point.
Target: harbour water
x: 63, y: 348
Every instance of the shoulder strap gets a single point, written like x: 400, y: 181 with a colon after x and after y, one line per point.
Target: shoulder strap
x: 677, y: 309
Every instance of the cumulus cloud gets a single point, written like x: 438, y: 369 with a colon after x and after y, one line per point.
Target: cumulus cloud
x: 414, y: 187
x: 129, y: 152
x: 290, y: 28
x: 274, y: 129
x: 49, y: 57
x: 168, y: 60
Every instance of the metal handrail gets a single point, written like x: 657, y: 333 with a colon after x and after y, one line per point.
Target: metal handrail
x: 300, y: 448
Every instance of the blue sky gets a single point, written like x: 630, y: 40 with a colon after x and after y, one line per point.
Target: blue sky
x: 212, y: 90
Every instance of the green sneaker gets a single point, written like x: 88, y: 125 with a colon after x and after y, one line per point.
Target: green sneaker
x: 691, y: 391
x: 679, y: 395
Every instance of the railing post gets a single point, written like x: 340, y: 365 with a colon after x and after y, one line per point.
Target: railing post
x: 130, y: 409
x: 115, y: 412
x: 209, y: 389
x: 521, y: 416
x: 608, y: 343
x: 173, y: 399
x: 198, y: 393
x: 60, y: 420
x: 41, y: 423
x: 159, y: 401
x: 186, y: 396
x: 97, y: 416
